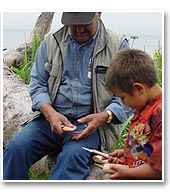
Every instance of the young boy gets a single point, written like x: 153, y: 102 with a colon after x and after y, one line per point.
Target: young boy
x: 133, y: 77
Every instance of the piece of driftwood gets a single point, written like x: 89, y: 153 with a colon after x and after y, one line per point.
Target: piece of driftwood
x: 16, y: 104
x: 16, y: 109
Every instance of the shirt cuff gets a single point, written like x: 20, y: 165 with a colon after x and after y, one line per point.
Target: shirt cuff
x: 39, y: 100
x: 118, y: 112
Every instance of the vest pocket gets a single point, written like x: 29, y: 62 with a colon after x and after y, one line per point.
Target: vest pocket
x: 101, y: 69
x: 48, y: 67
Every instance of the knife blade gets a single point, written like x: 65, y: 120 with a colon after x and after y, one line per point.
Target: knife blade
x: 97, y: 152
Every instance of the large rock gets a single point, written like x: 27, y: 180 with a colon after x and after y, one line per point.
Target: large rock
x: 16, y: 104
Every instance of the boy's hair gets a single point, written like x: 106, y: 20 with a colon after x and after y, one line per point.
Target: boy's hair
x: 131, y: 66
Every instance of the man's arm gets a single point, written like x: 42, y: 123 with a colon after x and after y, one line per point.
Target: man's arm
x: 120, y: 111
x: 124, y: 45
x: 39, y: 79
x: 39, y: 92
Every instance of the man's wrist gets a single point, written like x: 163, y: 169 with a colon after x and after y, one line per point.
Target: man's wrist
x: 47, y: 110
x: 110, y: 115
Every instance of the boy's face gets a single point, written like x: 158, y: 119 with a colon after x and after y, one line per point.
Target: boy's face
x: 136, y: 100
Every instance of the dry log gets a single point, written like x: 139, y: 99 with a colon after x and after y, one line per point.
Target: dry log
x: 16, y: 104
x: 16, y: 109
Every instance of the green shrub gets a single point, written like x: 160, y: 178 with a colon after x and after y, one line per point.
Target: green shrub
x: 29, y: 57
x: 125, y: 129
x: 41, y: 176
x: 158, y: 60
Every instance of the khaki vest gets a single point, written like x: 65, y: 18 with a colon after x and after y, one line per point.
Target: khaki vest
x: 107, y: 44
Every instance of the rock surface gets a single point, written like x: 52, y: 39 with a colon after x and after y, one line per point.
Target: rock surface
x: 16, y: 104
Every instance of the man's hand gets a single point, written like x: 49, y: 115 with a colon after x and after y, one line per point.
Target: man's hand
x: 93, y: 121
x: 55, y: 119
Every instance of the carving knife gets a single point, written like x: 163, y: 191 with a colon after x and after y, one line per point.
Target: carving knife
x: 97, y: 152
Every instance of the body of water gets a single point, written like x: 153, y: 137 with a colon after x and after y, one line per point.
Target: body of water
x: 13, y: 38
x: 147, y: 43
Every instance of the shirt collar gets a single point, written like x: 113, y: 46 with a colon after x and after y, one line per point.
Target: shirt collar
x: 144, y: 114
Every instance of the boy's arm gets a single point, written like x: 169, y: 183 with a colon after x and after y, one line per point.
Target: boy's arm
x: 144, y: 171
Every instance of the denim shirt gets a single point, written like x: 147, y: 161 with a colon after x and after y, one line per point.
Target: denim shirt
x: 74, y: 97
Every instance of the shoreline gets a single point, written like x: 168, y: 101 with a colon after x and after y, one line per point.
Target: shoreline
x: 14, y: 37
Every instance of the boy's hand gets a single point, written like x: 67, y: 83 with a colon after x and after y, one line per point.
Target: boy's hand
x: 117, y: 157
x: 120, y: 171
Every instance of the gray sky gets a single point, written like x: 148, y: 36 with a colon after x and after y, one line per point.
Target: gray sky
x: 127, y: 22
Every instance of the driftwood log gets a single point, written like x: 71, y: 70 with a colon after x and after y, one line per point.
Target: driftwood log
x: 17, y: 102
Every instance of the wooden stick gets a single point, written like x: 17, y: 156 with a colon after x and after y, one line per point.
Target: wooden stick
x: 99, y: 159
x: 105, y: 167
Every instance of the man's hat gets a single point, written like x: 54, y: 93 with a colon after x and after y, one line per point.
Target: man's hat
x: 77, y: 18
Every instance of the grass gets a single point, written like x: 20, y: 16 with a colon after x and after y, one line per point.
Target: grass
x: 41, y: 176
x: 158, y: 60
x: 125, y: 127
x: 29, y: 57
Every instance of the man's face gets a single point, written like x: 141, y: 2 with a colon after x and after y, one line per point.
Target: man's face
x: 83, y: 33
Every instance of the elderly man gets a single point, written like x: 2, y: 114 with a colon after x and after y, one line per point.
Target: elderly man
x: 67, y: 89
